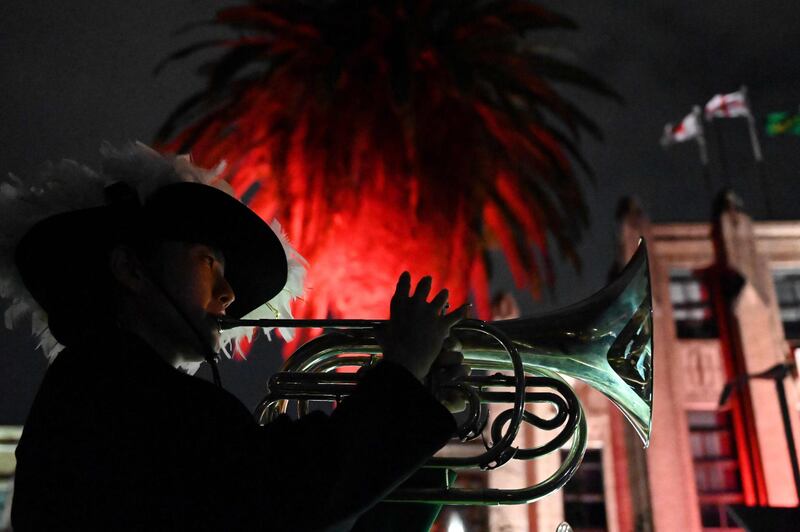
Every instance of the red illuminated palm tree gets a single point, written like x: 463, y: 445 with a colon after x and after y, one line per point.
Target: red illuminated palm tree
x: 392, y: 135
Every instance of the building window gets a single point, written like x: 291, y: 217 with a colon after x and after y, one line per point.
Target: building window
x: 691, y: 304
x: 716, y: 467
x: 584, y: 500
x: 787, y: 288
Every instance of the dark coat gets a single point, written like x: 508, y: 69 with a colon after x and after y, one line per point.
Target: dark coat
x: 123, y: 441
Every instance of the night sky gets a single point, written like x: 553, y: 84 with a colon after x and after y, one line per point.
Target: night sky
x: 77, y: 73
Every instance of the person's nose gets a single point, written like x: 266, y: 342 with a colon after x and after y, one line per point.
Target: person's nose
x: 224, y: 292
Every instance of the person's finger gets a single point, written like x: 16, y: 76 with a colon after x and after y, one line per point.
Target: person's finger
x: 403, y: 285
x: 454, y: 317
x: 443, y: 379
x: 453, y: 399
x: 452, y: 343
x: 448, y: 358
x: 451, y: 374
x: 448, y: 375
x: 440, y: 301
x: 423, y: 289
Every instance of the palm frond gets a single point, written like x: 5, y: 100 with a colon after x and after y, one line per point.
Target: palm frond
x: 397, y: 134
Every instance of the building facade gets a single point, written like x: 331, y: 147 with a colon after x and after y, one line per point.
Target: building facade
x: 726, y: 298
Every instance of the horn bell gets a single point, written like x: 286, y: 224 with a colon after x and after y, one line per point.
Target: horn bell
x: 605, y: 341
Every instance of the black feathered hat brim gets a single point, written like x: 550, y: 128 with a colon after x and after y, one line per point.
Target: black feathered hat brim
x: 255, y: 262
x: 64, y: 259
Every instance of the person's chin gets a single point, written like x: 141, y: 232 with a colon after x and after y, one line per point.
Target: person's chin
x: 199, y: 347
x: 216, y: 343
x: 214, y: 340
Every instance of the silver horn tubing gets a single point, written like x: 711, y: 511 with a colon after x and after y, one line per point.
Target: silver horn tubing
x: 502, y: 451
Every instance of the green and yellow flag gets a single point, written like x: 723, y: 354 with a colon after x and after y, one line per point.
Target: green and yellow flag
x: 781, y: 123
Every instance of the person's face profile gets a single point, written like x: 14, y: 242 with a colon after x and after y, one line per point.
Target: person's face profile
x: 194, y: 276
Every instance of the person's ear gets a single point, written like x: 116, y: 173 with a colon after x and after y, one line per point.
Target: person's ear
x: 126, y: 268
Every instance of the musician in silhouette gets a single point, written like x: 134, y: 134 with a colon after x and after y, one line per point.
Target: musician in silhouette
x: 129, y: 269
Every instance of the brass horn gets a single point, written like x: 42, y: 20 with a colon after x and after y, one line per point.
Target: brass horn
x: 605, y: 341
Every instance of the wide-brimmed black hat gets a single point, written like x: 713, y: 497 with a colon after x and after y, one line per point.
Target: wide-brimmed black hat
x: 63, y: 259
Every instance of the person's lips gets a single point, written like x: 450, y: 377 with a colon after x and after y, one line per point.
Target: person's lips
x: 213, y: 324
x: 212, y: 332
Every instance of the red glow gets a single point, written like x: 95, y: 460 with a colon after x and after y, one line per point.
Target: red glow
x: 409, y: 145
x: 359, y: 233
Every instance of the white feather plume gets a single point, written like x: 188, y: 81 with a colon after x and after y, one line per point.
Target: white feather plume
x: 279, y: 306
x: 57, y: 188
x: 67, y: 186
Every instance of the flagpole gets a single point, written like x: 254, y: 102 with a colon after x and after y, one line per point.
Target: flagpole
x: 726, y: 180
x: 703, y: 148
x: 757, y: 154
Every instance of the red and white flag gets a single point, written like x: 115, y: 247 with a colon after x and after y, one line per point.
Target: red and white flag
x: 688, y: 129
x: 727, y: 106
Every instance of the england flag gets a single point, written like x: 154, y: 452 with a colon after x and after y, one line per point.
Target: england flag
x: 727, y: 106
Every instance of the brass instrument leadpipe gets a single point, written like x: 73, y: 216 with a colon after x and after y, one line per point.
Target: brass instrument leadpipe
x: 229, y: 323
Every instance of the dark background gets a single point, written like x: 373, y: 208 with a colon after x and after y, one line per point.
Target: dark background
x: 76, y: 73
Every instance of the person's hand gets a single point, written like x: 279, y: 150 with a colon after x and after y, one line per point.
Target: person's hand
x: 448, y: 370
x: 415, y: 332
